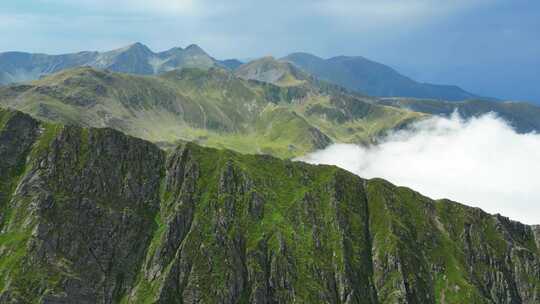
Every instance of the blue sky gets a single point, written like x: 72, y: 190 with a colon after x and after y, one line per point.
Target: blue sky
x: 489, y: 47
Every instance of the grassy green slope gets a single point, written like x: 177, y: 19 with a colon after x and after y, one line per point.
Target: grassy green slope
x: 94, y: 216
x: 213, y: 108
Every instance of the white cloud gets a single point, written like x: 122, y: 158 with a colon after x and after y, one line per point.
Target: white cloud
x: 482, y: 162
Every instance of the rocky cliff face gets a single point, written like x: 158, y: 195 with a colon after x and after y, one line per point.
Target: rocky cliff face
x: 94, y: 216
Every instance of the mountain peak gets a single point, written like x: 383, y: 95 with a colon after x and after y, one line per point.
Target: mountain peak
x: 193, y: 48
x: 138, y: 47
x: 303, y: 59
x: 266, y: 58
x: 360, y: 74
x: 269, y: 69
x: 137, y: 44
x: 358, y: 58
x: 192, y: 56
x: 302, y: 55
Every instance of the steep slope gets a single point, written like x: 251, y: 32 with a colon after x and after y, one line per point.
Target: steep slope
x: 135, y: 59
x: 524, y: 117
x: 211, y: 107
x: 94, y: 216
x: 372, y: 78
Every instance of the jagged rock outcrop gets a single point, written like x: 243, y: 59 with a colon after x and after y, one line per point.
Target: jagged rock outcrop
x: 95, y: 216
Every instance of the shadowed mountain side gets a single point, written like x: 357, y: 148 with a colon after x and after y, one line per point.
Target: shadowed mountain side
x: 95, y: 216
x: 375, y: 79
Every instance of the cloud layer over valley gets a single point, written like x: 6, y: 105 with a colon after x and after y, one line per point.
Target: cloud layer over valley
x: 481, y: 162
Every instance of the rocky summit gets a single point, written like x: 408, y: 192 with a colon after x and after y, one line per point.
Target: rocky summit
x: 95, y: 216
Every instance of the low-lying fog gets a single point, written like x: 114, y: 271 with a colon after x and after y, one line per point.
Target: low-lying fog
x: 480, y: 162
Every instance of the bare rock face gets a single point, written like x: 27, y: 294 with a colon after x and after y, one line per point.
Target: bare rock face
x: 95, y: 216
x: 84, y: 205
x: 18, y: 133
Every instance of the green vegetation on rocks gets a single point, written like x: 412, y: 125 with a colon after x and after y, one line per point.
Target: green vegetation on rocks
x: 96, y: 216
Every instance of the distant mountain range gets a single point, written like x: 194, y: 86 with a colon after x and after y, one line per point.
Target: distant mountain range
x: 524, y: 117
x: 373, y: 78
x: 135, y: 59
x: 267, y: 106
x: 354, y: 73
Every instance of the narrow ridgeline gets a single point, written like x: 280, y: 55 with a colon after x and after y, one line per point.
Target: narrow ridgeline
x: 96, y: 216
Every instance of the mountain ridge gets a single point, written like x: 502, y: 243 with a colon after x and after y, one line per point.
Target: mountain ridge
x: 376, y: 79
x: 355, y: 73
x: 268, y: 69
x: 95, y: 216
x: 212, y: 107
x: 215, y: 108
x: 135, y: 58
x: 523, y: 117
